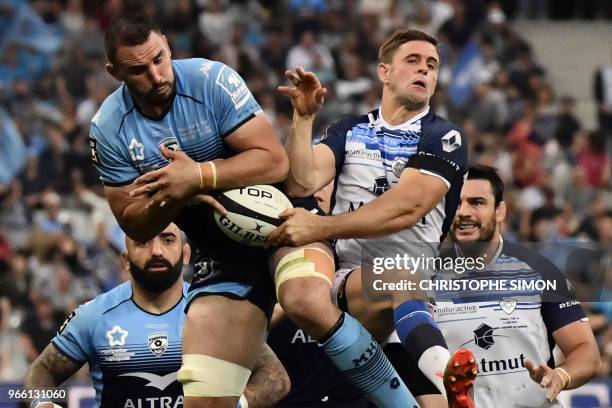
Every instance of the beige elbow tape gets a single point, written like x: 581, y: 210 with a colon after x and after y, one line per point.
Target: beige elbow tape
x: 296, y: 265
x: 204, y: 376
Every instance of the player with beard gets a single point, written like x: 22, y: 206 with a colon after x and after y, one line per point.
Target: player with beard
x: 512, y: 333
x: 131, y: 337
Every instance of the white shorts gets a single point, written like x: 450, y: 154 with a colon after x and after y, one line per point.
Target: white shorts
x: 339, y: 281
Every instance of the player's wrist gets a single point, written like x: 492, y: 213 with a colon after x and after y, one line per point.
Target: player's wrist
x: 566, y: 378
x: 328, y: 227
x: 207, y: 172
x: 303, y: 116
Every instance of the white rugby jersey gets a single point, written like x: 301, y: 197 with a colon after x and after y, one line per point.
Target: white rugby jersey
x: 370, y: 158
x: 503, y: 329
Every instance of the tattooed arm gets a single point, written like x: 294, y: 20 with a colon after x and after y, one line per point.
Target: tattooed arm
x: 50, y: 369
x: 269, y: 382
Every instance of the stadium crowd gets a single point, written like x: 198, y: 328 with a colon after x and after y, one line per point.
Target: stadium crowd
x: 59, y: 242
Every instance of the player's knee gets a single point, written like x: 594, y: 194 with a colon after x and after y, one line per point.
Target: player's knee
x: 205, y: 376
x: 312, y: 263
x: 306, y: 307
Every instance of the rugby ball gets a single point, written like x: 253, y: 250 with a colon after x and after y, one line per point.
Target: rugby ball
x: 252, y: 213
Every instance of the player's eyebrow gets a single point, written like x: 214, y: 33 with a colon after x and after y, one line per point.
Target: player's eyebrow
x: 416, y: 54
x: 167, y: 235
x: 159, y: 54
x: 140, y: 66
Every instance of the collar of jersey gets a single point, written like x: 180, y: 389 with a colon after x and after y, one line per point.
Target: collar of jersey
x: 379, y: 121
x: 498, y: 252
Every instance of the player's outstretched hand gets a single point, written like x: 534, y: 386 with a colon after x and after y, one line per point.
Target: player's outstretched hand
x: 307, y: 94
x: 548, y: 378
x: 301, y: 227
x: 178, y: 181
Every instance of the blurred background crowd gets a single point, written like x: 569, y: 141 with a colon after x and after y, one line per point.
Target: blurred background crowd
x: 59, y: 242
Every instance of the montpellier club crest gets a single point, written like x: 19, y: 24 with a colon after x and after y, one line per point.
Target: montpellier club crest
x: 158, y: 343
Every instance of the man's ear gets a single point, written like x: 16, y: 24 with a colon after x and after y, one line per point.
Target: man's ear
x: 112, y: 70
x: 500, y: 212
x: 186, y: 253
x: 383, y: 72
x: 125, y: 261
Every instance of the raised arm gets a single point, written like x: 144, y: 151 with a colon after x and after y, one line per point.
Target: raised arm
x: 311, y: 168
x: 269, y: 382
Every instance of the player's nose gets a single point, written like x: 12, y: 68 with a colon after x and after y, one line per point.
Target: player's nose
x: 156, y: 248
x: 463, y: 210
x: 422, y: 68
x: 155, y: 76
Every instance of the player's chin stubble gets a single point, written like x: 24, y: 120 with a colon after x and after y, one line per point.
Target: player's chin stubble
x: 413, y: 103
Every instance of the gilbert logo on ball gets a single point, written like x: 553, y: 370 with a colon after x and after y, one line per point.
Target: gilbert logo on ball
x: 252, y: 213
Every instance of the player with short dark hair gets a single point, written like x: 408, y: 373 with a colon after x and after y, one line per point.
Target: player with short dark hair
x: 131, y: 337
x: 511, y: 332
x: 398, y: 172
x: 170, y: 135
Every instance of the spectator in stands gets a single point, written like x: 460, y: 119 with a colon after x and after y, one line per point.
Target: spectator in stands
x: 40, y: 326
x: 13, y: 364
x: 311, y: 55
x: 593, y: 159
x: 603, y: 97
x: 567, y: 122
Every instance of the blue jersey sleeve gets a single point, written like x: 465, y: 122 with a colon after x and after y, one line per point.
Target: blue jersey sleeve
x: 113, y: 163
x: 559, y: 306
x: 73, y: 339
x: 232, y: 100
x: 443, y: 152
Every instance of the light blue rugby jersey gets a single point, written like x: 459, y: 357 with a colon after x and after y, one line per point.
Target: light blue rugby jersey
x: 133, y: 355
x: 211, y: 102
